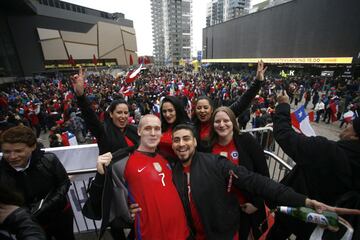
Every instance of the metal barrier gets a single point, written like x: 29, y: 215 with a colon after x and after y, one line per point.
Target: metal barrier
x: 77, y: 195
x: 278, y: 168
x: 266, y: 139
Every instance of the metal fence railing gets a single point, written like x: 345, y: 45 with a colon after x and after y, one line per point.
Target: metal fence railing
x: 278, y: 168
x: 265, y: 137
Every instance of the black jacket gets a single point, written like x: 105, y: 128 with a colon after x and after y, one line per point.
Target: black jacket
x: 322, y: 169
x: 252, y: 157
x: 108, y: 136
x: 109, y: 139
x: 20, y: 223
x: 219, y: 211
x: 325, y: 170
x: 115, y: 195
x: 45, y: 178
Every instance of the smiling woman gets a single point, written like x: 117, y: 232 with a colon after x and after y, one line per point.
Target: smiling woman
x: 172, y: 113
x: 241, y: 149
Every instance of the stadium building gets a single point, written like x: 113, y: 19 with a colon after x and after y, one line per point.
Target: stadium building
x: 51, y: 35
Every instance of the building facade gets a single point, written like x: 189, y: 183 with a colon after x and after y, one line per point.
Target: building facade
x: 219, y: 11
x: 292, y: 32
x: 46, y: 35
x: 172, y: 30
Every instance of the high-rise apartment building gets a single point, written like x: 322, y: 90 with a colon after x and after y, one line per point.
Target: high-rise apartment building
x: 172, y: 30
x: 215, y: 12
x: 235, y: 8
x: 219, y: 11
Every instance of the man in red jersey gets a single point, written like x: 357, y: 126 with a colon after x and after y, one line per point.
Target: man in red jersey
x: 145, y: 178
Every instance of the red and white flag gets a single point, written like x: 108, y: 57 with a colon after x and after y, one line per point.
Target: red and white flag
x: 348, y: 116
x: 301, y: 121
x: 132, y: 75
x: 68, y: 139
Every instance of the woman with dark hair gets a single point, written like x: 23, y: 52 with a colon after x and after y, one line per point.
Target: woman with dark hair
x: 204, y: 106
x: 240, y: 148
x: 111, y: 136
x: 172, y: 113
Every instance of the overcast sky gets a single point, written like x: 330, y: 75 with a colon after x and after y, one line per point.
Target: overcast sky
x: 139, y: 12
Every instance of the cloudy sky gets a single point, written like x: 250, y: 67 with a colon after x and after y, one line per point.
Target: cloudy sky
x: 139, y: 12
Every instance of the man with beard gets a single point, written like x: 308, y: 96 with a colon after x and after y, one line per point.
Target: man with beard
x: 203, y: 181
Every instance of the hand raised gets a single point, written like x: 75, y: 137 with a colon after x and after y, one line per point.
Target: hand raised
x: 283, y: 97
x: 260, y: 71
x: 78, y: 81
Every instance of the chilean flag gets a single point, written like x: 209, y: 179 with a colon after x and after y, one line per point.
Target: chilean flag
x: 301, y: 121
x: 132, y: 75
x: 68, y: 139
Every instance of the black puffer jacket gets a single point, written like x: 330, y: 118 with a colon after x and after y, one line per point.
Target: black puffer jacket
x: 219, y: 211
x: 45, y: 178
x: 20, y: 223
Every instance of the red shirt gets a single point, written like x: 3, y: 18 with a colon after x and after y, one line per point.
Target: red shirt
x: 200, y: 232
x: 149, y: 181
x: 205, y: 130
x: 164, y: 146
x: 129, y: 142
x: 230, y: 152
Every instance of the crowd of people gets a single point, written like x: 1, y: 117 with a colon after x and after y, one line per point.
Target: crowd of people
x: 50, y: 105
x: 173, y: 162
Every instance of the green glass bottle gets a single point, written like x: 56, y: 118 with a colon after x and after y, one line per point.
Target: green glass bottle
x: 326, y: 218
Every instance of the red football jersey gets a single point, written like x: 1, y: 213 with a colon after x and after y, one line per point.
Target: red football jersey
x: 230, y: 152
x: 149, y: 181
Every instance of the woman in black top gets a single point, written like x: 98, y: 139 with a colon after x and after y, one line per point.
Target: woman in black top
x: 111, y: 136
